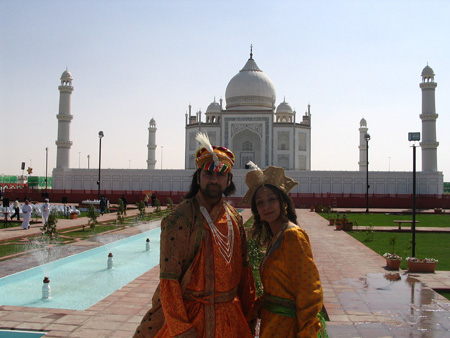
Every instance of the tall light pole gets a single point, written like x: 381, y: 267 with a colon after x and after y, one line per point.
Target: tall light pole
x: 89, y: 157
x: 162, y: 149
x: 100, y: 136
x: 367, y: 138
x: 414, y: 137
x: 46, y: 167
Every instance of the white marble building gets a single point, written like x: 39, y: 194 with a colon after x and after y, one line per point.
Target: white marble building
x: 252, y: 127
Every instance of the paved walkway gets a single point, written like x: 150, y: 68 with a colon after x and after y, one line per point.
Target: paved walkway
x: 361, y: 298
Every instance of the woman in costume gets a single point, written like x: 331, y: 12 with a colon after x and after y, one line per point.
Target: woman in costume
x: 292, y: 295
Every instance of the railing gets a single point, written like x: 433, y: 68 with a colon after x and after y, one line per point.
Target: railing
x: 300, y: 199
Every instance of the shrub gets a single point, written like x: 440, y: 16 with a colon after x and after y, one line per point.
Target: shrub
x: 120, y: 211
x: 141, y: 207
x: 49, y: 228
x: 92, y: 215
x: 157, y: 205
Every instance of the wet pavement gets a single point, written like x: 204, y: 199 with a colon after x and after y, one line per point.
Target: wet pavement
x: 361, y: 297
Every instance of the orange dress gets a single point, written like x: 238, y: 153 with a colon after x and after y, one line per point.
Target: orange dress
x: 217, y: 296
x: 291, y: 284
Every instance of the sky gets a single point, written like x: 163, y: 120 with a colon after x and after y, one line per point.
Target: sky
x: 132, y: 61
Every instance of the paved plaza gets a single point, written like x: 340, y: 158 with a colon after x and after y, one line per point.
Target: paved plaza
x: 361, y: 297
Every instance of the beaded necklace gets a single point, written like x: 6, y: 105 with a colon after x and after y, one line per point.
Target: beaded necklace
x: 224, y: 242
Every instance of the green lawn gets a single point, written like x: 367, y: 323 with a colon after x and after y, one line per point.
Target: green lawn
x: 376, y: 219
x: 428, y: 245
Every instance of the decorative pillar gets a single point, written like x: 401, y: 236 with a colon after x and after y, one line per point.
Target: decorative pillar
x: 362, y: 145
x: 429, y: 144
x: 64, y: 117
x: 151, y: 157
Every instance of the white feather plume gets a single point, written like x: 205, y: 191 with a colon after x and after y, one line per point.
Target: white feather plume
x: 253, y: 165
x: 203, y: 139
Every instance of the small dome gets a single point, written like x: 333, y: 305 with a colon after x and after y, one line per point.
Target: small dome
x: 152, y: 121
x: 250, y: 88
x: 284, y: 108
x: 363, y: 122
x: 66, y: 75
x: 214, y: 107
x: 427, y: 71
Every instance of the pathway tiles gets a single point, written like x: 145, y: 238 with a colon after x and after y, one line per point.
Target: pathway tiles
x: 361, y: 298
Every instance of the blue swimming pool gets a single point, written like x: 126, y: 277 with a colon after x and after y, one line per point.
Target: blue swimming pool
x: 80, y: 281
x: 20, y: 334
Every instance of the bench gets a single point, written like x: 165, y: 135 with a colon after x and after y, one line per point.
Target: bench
x: 403, y: 221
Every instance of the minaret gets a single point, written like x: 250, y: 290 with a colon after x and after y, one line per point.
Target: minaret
x: 429, y: 144
x: 362, y: 145
x: 64, y: 117
x: 151, y: 157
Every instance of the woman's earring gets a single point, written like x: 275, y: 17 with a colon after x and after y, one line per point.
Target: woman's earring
x: 285, y: 209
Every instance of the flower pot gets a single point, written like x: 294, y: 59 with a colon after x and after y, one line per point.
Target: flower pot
x: 73, y: 216
x: 348, y: 226
x: 421, y: 267
x: 311, y: 209
x: 393, y: 264
x: 339, y: 225
x: 331, y: 221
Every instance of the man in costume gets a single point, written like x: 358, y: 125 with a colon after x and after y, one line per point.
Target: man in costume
x: 26, y: 210
x: 45, y: 211
x: 206, y: 285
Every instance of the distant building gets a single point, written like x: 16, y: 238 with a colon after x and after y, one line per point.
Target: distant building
x: 251, y: 126
x: 255, y: 130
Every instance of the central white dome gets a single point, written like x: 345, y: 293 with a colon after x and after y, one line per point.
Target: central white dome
x: 250, y: 89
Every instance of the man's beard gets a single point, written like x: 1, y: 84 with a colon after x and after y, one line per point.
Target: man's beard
x: 212, y: 193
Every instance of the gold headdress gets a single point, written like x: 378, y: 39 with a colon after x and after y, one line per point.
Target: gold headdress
x: 271, y: 175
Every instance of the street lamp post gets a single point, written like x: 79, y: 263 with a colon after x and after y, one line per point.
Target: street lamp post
x: 414, y: 137
x: 89, y: 156
x: 162, y: 149
x: 46, y: 167
x: 100, y: 136
x: 367, y: 138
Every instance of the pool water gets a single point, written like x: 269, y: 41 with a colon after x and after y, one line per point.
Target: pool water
x: 77, y: 282
x: 20, y: 334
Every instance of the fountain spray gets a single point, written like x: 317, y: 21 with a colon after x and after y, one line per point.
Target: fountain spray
x: 147, y: 244
x: 46, y: 292
x: 110, y: 261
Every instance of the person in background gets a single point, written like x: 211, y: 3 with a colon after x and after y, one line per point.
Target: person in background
x: 26, y: 210
x: 124, y: 200
x: 45, y: 211
x: 102, y: 205
x: 292, y: 297
x: 206, y: 284
x: 16, y: 209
